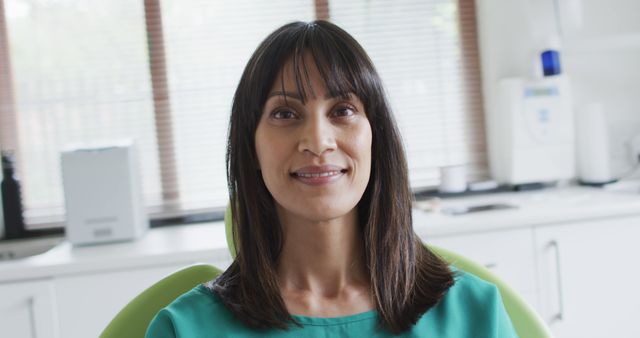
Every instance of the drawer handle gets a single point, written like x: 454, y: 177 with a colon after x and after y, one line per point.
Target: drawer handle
x: 32, y: 316
x: 558, y: 316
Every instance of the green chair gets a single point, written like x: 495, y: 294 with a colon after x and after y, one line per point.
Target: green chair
x: 526, y: 321
x: 133, y: 319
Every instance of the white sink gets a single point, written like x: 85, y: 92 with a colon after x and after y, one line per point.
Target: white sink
x: 23, y: 248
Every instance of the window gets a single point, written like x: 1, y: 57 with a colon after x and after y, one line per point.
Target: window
x: 206, y: 51
x: 79, y: 74
x: 426, y: 54
x: 164, y: 72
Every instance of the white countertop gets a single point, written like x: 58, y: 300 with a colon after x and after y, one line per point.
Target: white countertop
x: 207, y: 242
x: 203, y: 242
x: 533, y: 208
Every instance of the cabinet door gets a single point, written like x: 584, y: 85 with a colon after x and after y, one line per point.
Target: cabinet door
x: 589, y: 278
x: 510, y: 254
x: 27, y: 309
x: 87, y: 303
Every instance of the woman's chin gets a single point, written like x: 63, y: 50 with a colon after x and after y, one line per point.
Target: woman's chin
x: 319, y: 212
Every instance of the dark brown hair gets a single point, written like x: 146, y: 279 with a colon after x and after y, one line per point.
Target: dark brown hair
x: 406, y: 278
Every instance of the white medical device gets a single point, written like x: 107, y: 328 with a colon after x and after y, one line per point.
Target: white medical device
x: 530, y: 131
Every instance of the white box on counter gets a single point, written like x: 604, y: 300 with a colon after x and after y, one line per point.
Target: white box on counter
x: 103, y: 194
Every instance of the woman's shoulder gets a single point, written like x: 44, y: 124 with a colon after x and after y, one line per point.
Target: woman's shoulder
x: 197, y: 311
x: 199, y: 301
x: 471, y: 306
x: 470, y: 295
x: 199, y: 296
x: 471, y: 287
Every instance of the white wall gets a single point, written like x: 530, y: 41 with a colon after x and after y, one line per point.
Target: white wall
x: 600, y: 51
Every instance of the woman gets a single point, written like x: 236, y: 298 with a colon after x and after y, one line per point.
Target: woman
x: 322, y: 211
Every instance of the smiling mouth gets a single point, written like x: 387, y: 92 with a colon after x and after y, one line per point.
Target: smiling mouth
x: 318, y: 174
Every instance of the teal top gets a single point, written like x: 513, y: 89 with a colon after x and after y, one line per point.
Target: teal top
x: 470, y: 308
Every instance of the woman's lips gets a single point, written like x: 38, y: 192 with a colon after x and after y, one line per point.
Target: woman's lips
x: 318, y: 175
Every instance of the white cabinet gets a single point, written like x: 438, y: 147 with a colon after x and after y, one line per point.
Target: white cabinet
x: 589, y: 278
x: 581, y: 276
x: 510, y: 254
x: 73, y: 292
x: 87, y: 303
x: 27, y: 310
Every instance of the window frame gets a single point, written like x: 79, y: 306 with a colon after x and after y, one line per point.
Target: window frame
x: 170, y: 212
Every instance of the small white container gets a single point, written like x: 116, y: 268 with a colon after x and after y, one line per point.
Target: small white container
x: 103, y: 194
x: 592, y: 136
x: 453, y: 179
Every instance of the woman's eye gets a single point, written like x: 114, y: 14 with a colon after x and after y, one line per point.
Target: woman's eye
x: 344, y: 111
x: 283, y: 114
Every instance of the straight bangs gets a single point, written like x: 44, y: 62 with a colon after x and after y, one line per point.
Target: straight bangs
x: 345, y: 70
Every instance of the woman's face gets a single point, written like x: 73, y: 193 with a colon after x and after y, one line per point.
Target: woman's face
x: 315, y: 158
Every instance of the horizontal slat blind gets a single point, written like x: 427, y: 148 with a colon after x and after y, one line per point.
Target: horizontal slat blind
x: 80, y: 76
x: 208, y: 43
x: 81, y: 71
x: 426, y: 54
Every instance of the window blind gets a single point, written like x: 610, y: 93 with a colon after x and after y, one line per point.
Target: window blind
x: 208, y: 43
x: 164, y: 71
x: 79, y: 75
x: 426, y: 53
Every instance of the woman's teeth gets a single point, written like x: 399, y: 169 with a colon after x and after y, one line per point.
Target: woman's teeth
x: 324, y: 174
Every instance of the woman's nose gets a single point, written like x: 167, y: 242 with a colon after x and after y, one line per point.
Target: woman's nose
x: 317, y: 136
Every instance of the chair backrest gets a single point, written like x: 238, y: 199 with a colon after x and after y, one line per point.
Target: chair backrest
x: 134, y: 318
x: 525, y: 319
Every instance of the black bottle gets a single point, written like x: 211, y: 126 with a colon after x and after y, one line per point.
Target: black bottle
x: 11, y: 200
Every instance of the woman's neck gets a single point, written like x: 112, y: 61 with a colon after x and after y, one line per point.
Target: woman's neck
x: 323, y: 263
